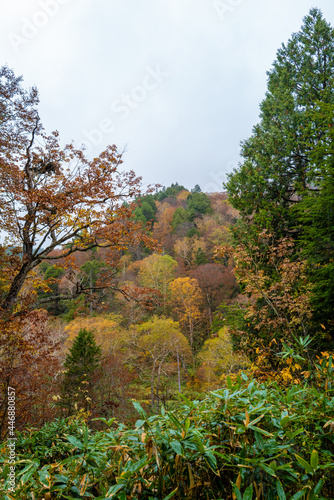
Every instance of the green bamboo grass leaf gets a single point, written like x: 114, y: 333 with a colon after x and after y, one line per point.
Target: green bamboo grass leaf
x: 267, y: 469
x: 304, y: 464
x: 139, y: 465
x: 314, y: 461
x: 60, y: 478
x: 256, y: 420
x: 285, y: 420
x: 280, y: 490
x: 237, y: 492
x: 175, y: 420
x: 44, y: 476
x: 125, y: 475
x: 261, y: 431
x: 28, y: 471
x: 114, y: 489
x: 318, y: 487
x: 211, y: 461
x: 76, y: 443
x: 92, y: 463
x: 107, y: 422
x: 292, y: 434
x: 199, y: 444
x: 186, y: 400
x: 248, y: 494
x: 171, y: 494
x: 139, y: 424
x: 139, y: 409
x: 85, y: 436
x: 298, y: 495
x: 177, y: 447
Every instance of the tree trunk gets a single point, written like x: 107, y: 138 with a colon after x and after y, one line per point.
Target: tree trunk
x: 9, y: 301
x: 178, y: 369
x: 152, y: 385
x: 158, y: 384
x: 91, y: 292
x: 209, y: 309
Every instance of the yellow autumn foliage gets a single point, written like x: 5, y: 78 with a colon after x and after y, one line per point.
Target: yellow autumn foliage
x: 218, y: 359
x: 106, y: 329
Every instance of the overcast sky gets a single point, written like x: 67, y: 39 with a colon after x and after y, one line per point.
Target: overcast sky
x: 176, y: 82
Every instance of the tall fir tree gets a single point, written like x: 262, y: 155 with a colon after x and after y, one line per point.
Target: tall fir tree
x: 285, y: 183
x: 278, y: 167
x: 315, y: 214
x: 81, y: 365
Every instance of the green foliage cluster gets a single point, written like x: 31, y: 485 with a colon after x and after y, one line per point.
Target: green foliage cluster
x: 146, y: 210
x: 197, y: 204
x: 250, y: 440
x: 180, y: 216
x: 196, y: 189
x: 170, y: 191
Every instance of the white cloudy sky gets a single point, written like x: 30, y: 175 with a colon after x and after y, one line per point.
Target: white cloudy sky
x: 178, y: 82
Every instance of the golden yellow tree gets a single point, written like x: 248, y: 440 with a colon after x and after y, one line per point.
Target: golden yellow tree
x: 157, y: 343
x: 186, y: 297
x: 218, y: 358
x: 105, y: 328
x: 157, y: 271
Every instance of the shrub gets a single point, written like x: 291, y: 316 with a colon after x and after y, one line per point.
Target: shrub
x: 249, y: 440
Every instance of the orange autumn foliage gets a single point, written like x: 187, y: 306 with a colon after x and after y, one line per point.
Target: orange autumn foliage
x: 54, y: 197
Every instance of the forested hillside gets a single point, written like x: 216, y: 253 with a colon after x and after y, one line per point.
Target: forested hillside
x: 170, y: 343
x: 151, y: 310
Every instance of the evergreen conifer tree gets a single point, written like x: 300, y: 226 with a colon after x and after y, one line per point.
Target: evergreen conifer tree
x: 285, y: 183
x: 278, y: 167
x: 81, y: 363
